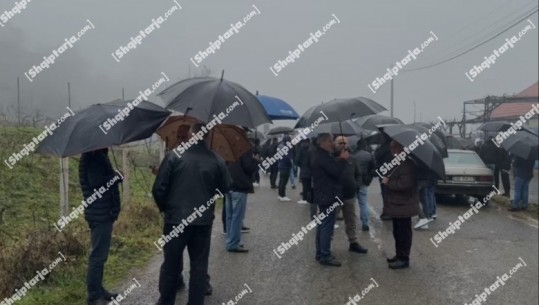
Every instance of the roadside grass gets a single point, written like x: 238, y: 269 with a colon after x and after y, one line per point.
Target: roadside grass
x: 29, y: 206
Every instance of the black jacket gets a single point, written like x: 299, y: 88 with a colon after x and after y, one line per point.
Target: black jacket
x: 523, y: 168
x: 95, y: 172
x: 303, y: 161
x: 326, y: 172
x: 350, y: 179
x: 241, y: 172
x: 189, y: 182
x: 489, y: 153
x: 367, y: 166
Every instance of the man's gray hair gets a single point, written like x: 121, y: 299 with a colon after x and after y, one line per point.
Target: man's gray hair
x: 323, y: 137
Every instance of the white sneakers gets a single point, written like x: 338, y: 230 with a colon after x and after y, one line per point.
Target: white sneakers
x: 303, y: 202
x: 284, y: 199
x: 255, y: 184
x: 422, y: 223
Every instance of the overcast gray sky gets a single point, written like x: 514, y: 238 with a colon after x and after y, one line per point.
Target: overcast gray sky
x: 371, y: 37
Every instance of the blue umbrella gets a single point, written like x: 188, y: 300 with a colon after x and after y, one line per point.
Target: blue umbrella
x: 277, y: 109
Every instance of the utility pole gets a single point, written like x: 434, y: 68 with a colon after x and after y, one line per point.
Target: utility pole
x: 123, y: 94
x: 18, y: 102
x: 69, y: 94
x: 392, y: 95
x: 414, y: 112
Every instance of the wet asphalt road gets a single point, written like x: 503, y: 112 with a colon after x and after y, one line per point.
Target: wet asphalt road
x: 487, y: 246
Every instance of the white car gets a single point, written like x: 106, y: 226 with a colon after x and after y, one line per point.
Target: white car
x: 466, y: 174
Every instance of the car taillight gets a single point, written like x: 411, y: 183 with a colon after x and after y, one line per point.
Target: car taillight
x: 485, y: 178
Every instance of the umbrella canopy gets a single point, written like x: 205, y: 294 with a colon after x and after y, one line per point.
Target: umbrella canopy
x: 426, y: 152
x: 370, y: 121
x: 229, y: 141
x: 280, y: 130
x: 501, y: 126
x: 206, y: 98
x: 522, y: 144
x: 339, y: 110
x: 102, y: 125
x: 433, y: 138
x: 277, y: 109
x: 345, y: 128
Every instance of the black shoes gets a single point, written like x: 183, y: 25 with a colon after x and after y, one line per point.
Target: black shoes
x: 209, y: 290
x: 365, y: 228
x: 109, y: 296
x: 238, y: 250
x: 332, y: 262
x: 356, y: 247
x: 391, y: 260
x: 181, y: 286
x: 245, y: 229
x: 513, y: 209
x: 398, y: 264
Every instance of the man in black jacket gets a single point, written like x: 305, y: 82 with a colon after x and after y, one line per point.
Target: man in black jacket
x: 97, y: 178
x: 326, y: 172
x: 241, y: 172
x: 185, y: 189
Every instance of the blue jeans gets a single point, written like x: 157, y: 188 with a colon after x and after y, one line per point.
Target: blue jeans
x: 324, y: 232
x: 432, y: 199
x: 428, y: 200
x: 236, y: 203
x: 521, y: 192
x: 363, y: 205
x: 292, y: 177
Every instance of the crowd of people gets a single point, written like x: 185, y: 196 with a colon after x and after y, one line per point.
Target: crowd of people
x: 329, y: 172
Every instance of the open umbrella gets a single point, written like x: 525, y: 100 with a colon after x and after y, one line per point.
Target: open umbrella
x: 209, y: 98
x: 229, y: 141
x: 280, y: 130
x: 370, y: 121
x: 255, y: 134
x: 433, y: 138
x: 426, y: 152
x: 345, y: 128
x: 104, y: 125
x: 522, y: 144
x: 277, y: 109
x: 339, y: 110
x: 498, y: 126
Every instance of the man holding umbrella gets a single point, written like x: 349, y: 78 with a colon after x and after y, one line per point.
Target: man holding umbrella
x: 326, y: 172
x: 95, y: 172
x: 181, y: 186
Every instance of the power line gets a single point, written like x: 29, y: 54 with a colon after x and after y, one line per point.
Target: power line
x: 476, y: 46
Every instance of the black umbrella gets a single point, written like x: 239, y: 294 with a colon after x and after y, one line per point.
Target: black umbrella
x: 345, y: 128
x: 433, y: 138
x: 370, y: 121
x: 501, y: 126
x: 425, y: 152
x: 522, y: 144
x: 206, y: 98
x: 339, y: 110
x: 280, y: 130
x: 437, y: 131
x: 100, y: 126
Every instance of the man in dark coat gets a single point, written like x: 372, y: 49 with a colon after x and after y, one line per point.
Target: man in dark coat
x: 185, y: 189
x: 326, y: 172
x: 241, y: 172
x: 402, y: 203
x: 285, y: 168
x: 503, y: 165
x: 97, y: 178
x: 523, y: 174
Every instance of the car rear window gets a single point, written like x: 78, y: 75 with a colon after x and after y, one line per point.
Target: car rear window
x: 463, y: 159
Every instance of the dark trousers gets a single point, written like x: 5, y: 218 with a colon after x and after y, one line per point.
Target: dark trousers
x: 324, y: 233
x: 505, y: 180
x: 256, y: 176
x: 274, y: 170
x: 284, y: 175
x: 101, y: 234
x: 402, y: 232
x: 223, y: 214
x: 197, y: 239
x: 307, y: 189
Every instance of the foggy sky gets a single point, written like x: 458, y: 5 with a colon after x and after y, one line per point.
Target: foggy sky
x: 371, y: 37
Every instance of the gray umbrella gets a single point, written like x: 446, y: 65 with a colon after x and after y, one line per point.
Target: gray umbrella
x: 345, y: 128
x: 339, y: 110
x: 370, y: 121
x: 280, y: 130
x: 522, y: 144
x: 207, y: 97
x: 100, y: 126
